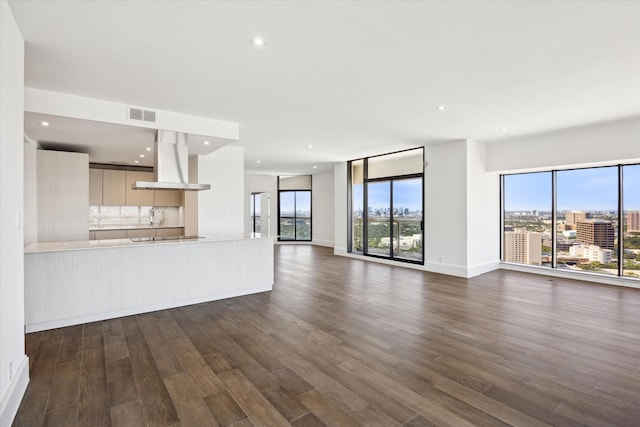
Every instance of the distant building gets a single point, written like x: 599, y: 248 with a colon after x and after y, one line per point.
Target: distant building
x: 633, y: 221
x: 565, y: 227
x: 593, y: 232
x: 592, y: 253
x: 570, y: 234
x: 523, y: 247
x: 573, y: 217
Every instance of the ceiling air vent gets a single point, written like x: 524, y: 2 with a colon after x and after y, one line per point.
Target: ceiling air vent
x: 142, y: 115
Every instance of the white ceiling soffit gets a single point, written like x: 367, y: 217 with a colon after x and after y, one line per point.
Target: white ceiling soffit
x: 106, y: 143
x: 346, y: 78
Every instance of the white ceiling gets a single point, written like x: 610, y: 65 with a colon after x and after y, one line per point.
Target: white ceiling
x: 348, y: 78
x: 105, y: 142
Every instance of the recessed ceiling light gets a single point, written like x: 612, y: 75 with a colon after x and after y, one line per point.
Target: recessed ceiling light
x: 440, y: 108
x: 206, y: 143
x: 136, y: 161
x: 310, y: 146
x: 503, y: 130
x: 315, y: 167
x: 44, y: 123
x: 257, y: 161
x: 257, y: 41
x: 148, y: 148
x: 141, y: 155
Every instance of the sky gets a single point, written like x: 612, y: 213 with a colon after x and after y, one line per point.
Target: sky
x: 406, y: 194
x: 300, y: 199
x: 579, y: 189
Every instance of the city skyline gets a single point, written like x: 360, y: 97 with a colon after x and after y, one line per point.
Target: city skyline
x: 406, y: 194
x: 593, y: 189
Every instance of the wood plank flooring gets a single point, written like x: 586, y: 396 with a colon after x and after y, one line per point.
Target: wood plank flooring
x: 346, y: 342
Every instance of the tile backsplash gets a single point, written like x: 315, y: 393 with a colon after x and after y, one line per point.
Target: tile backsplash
x: 135, y: 216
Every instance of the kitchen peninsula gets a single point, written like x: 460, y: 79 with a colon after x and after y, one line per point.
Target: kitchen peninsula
x: 68, y: 283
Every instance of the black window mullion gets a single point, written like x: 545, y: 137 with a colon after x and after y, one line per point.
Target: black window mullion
x: 620, y: 221
x: 391, y: 181
x: 350, y: 206
x: 554, y: 219
x: 502, y: 215
x: 295, y: 217
x: 365, y: 205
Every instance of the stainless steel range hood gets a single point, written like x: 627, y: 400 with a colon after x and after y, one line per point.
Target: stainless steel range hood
x: 171, y: 164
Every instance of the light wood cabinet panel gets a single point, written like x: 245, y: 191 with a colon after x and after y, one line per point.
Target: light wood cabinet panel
x: 169, y: 232
x: 95, y: 187
x: 111, y: 234
x: 168, y: 197
x: 62, y: 196
x: 113, y: 187
x: 138, y: 197
x: 92, y: 235
x: 141, y: 233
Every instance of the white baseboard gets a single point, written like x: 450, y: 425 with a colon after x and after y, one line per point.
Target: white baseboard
x: 326, y: 243
x: 340, y: 251
x: 448, y: 269
x: 12, y: 398
x: 479, y: 269
x: 433, y: 267
x: 575, y: 275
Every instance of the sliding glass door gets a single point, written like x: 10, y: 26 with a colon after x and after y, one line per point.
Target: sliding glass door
x: 386, y: 197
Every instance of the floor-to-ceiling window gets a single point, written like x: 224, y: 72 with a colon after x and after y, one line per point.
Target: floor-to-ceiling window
x: 294, y: 208
x: 587, y: 207
x: 386, y: 199
x: 585, y: 219
x: 527, y: 218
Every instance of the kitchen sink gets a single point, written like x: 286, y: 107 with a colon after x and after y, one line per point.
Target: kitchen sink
x: 164, y: 239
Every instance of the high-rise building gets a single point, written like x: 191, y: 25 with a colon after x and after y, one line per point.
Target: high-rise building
x: 593, y: 232
x: 592, y: 253
x: 633, y: 221
x: 573, y: 217
x: 523, y: 247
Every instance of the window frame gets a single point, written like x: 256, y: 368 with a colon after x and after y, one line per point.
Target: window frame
x: 365, y: 199
x: 619, y: 229
x: 295, y: 216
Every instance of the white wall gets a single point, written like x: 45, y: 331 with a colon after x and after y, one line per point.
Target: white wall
x: 341, y: 209
x: 255, y: 183
x: 221, y: 209
x: 14, y: 365
x: 483, y: 212
x: 322, y: 205
x: 445, y: 214
x: 30, y: 192
x: 602, y: 143
x: 461, y: 216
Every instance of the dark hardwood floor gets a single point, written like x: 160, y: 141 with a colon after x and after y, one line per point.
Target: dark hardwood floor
x: 347, y: 342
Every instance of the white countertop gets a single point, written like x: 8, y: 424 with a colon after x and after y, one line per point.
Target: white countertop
x: 132, y: 227
x: 121, y: 243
